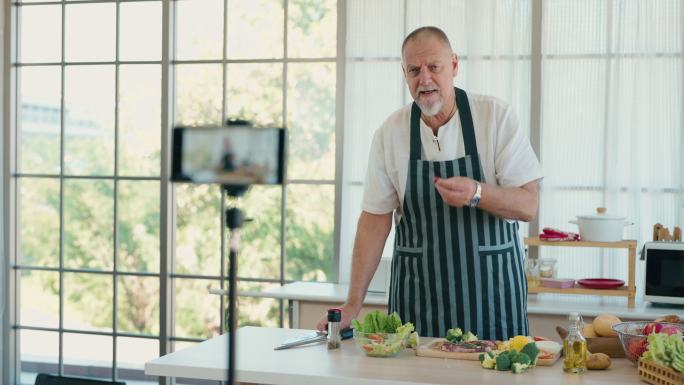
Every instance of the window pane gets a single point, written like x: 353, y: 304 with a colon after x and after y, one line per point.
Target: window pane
x: 312, y: 28
x: 198, y: 231
x: 199, y: 29
x: 38, y: 353
x: 255, y: 29
x: 140, y: 31
x: 366, y: 37
x: 88, y: 303
x: 40, y: 34
x: 89, y: 120
x: 39, y: 222
x: 197, y: 311
x: 377, y: 84
x: 585, y: 21
x: 88, y: 224
x: 131, y: 355
x: 655, y: 27
x: 39, y: 298
x: 255, y: 93
x: 90, y: 33
x: 138, y: 305
x: 259, y: 254
x: 39, y: 119
x: 256, y: 311
x: 311, y: 121
x: 309, y: 232
x: 139, y: 226
x: 198, y: 94
x: 573, y: 121
x: 87, y: 355
x: 139, y: 120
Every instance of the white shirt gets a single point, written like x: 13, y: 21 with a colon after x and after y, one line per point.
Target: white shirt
x: 505, y: 153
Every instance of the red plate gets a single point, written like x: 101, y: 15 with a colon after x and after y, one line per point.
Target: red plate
x: 601, y: 283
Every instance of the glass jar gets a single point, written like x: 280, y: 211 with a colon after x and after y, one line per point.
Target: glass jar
x: 532, y: 272
x: 547, y: 268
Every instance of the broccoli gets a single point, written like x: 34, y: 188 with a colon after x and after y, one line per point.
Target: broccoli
x: 521, y: 358
x: 454, y: 335
x: 532, y: 351
x: 488, y: 360
x: 503, y: 362
x: 519, y: 367
x: 482, y: 356
x: 469, y: 337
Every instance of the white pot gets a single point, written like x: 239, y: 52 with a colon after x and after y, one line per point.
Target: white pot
x: 601, y: 227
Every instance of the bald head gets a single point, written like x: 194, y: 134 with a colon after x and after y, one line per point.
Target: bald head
x: 423, y: 32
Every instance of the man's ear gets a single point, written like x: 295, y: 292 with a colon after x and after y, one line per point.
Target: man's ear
x: 454, y: 64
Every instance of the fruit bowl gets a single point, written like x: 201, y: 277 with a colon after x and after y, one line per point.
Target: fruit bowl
x: 633, y: 339
x: 380, y: 344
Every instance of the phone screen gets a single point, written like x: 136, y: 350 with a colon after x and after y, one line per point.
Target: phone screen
x: 231, y: 155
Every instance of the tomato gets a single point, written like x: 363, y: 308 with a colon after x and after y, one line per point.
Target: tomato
x: 540, y: 338
x: 652, y: 327
x: 376, y: 338
x: 635, y: 348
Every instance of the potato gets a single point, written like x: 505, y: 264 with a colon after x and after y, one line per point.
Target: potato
x: 603, y: 325
x: 598, y: 361
x: 589, y: 331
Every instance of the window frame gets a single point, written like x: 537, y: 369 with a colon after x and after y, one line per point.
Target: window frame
x: 10, y: 369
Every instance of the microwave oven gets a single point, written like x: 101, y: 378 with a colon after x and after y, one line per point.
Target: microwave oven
x: 664, y: 272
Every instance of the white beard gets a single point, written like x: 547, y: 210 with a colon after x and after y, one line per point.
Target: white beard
x: 430, y: 110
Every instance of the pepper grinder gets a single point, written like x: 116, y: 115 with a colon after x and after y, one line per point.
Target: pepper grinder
x: 334, y: 318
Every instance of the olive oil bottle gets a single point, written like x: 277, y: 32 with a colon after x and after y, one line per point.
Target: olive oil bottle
x: 575, y: 346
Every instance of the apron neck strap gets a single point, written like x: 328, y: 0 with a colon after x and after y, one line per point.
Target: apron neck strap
x: 468, y: 129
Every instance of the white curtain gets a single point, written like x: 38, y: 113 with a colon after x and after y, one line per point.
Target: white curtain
x: 611, y: 83
x: 611, y: 133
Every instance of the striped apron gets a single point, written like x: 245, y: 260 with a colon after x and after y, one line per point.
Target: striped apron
x: 455, y: 267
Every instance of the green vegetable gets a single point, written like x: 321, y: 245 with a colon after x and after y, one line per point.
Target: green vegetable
x: 532, y: 352
x: 666, y: 350
x: 518, y: 368
x: 454, y: 335
x: 413, y: 340
x: 521, y: 358
x: 503, y: 362
x: 469, y: 337
x: 488, y: 360
x: 378, y: 322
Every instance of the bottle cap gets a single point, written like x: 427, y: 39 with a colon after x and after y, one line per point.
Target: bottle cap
x: 334, y: 315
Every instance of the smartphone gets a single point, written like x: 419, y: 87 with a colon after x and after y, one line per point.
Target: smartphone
x: 237, y: 155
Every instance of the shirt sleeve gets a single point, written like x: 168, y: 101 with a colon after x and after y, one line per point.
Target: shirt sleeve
x: 379, y: 194
x: 515, y: 162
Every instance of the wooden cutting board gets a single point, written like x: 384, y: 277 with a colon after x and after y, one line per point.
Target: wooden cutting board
x: 432, y: 349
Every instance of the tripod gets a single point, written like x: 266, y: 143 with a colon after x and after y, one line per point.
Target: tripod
x: 234, y: 221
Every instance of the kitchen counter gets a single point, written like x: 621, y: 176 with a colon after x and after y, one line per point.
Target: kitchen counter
x: 258, y: 363
x: 545, y: 304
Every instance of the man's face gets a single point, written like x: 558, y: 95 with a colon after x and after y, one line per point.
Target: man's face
x: 429, y: 68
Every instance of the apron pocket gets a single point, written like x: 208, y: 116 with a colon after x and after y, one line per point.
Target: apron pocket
x: 408, y: 251
x: 497, y: 249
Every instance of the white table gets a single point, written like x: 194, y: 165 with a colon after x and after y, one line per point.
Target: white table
x: 259, y: 363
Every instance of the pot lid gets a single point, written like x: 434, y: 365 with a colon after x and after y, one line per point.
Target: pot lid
x: 602, y: 215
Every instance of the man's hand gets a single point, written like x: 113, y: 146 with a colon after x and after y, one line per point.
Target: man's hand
x: 456, y: 191
x: 349, y: 312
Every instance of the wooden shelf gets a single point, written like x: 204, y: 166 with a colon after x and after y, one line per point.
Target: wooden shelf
x: 628, y: 291
x: 622, y: 291
x: 626, y: 244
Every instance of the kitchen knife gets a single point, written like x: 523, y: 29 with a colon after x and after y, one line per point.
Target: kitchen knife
x: 312, y: 337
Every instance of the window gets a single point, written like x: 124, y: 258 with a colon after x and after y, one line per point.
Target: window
x: 107, y: 254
